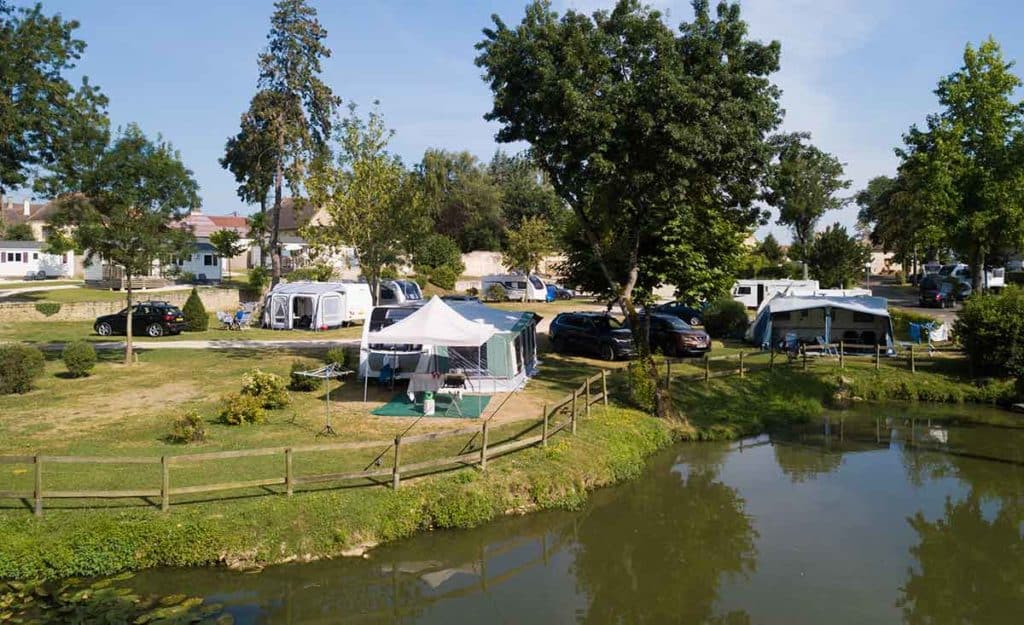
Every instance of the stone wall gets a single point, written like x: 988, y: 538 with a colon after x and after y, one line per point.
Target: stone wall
x: 213, y: 298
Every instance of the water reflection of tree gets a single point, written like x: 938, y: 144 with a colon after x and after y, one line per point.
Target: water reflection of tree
x: 969, y: 569
x: 801, y: 462
x: 659, y: 554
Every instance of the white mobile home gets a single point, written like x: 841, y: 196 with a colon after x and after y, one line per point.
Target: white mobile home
x: 26, y: 259
x: 516, y: 285
x: 316, y: 305
x: 203, y: 263
x: 751, y: 293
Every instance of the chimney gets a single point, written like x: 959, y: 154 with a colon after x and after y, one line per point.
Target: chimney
x: 27, y: 210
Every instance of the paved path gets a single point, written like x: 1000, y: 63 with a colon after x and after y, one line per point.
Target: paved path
x: 218, y: 344
x: 908, y: 298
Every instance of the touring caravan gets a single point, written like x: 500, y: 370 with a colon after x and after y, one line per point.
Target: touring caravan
x: 398, y: 292
x: 753, y: 292
x: 516, y: 285
x: 316, y: 305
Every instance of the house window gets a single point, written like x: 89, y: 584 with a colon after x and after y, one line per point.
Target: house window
x: 17, y: 257
x: 859, y: 317
x: 209, y: 260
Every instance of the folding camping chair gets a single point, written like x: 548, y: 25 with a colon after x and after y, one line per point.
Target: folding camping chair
x: 454, y: 385
x: 826, y: 348
x: 791, y: 344
x: 226, y: 320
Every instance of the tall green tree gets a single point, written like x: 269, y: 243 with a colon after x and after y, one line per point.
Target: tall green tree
x: 971, y: 156
x: 463, y: 199
x: 49, y: 128
x: 289, y: 119
x: 228, y: 244
x: 125, y: 210
x: 656, y: 139
x: 803, y: 185
x: 525, y: 192
x: 373, y: 202
x: 528, y: 245
x: 17, y: 232
x: 837, y: 258
x: 771, y: 250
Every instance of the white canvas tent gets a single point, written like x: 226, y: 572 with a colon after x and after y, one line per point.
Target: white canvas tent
x: 496, y: 349
x: 315, y: 305
x: 832, y: 318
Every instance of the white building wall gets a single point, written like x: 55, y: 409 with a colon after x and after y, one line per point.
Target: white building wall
x: 20, y: 262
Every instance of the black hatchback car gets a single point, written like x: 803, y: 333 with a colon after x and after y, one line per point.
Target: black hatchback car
x: 150, y: 318
x: 591, y: 333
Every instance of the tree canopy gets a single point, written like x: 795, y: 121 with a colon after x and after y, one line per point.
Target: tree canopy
x: 51, y: 129
x: 655, y: 139
x: 836, y: 258
x: 126, y: 209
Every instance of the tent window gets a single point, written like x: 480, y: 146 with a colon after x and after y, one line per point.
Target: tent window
x: 805, y: 314
x: 332, y: 306
x: 468, y: 357
x: 781, y: 316
x: 859, y: 317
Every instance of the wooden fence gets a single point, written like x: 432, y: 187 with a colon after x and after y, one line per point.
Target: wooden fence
x: 905, y: 356
x: 574, y: 405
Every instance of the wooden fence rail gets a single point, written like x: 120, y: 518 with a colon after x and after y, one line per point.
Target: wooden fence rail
x: 578, y: 401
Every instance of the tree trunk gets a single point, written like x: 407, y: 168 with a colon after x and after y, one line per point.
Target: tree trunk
x: 275, y: 222
x: 262, y: 235
x: 129, y: 356
x: 977, y: 269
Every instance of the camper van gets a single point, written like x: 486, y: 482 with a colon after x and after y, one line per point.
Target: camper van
x: 995, y: 278
x: 751, y: 293
x: 516, y: 286
x: 398, y: 292
x: 316, y: 305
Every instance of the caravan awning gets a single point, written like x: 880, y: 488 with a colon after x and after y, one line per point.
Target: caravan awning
x: 435, y: 323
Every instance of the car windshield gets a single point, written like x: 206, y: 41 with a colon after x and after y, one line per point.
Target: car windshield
x: 948, y: 269
x: 674, y: 322
x: 929, y: 283
x: 609, y: 322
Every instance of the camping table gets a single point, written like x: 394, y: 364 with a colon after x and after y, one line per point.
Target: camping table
x: 420, y: 382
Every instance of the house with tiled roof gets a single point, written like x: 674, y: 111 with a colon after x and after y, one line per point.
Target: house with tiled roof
x: 35, y: 214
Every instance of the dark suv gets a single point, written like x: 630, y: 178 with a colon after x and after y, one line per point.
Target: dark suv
x: 149, y: 318
x: 675, y: 337
x: 591, y: 333
x: 940, y: 292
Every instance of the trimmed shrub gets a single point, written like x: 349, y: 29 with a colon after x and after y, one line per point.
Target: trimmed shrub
x: 188, y: 428
x: 339, y: 356
x: 641, y: 387
x: 242, y: 409
x: 20, y: 365
x: 726, y: 318
x: 79, y: 357
x: 258, y: 278
x: 302, y: 383
x: 48, y: 309
x: 495, y: 293
x: 195, y: 313
x: 268, y: 388
x: 439, y: 260
x: 318, y: 272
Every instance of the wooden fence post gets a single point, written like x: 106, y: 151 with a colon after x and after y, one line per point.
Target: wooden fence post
x: 668, y: 372
x: 742, y: 374
x: 395, y: 477
x: 604, y: 386
x: 483, y: 446
x: 913, y: 365
x: 575, y: 393
x: 288, y: 471
x: 586, y: 407
x: 165, y: 485
x: 803, y: 350
x: 771, y: 358
x: 842, y: 352
x: 707, y: 368
x: 878, y: 356
x: 38, y: 493
x: 544, y: 432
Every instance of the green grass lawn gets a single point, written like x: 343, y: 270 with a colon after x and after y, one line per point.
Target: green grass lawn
x: 21, y: 284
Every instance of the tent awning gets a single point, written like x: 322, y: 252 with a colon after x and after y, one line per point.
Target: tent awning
x: 435, y: 323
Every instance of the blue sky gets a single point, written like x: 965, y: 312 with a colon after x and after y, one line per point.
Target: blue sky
x: 855, y: 73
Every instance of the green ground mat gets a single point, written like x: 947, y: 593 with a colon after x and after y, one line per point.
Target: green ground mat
x: 400, y: 406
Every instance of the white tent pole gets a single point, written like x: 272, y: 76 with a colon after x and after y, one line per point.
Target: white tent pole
x: 366, y: 375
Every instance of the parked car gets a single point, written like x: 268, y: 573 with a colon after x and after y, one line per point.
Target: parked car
x: 591, y: 333
x: 939, y: 292
x: 557, y: 291
x: 927, y: 269
x: 675, y: 337
x: 150, y: 318
x: 689, y: 314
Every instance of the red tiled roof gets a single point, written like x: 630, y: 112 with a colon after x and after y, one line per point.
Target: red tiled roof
x: 204, y: 225
x: 13, y: 212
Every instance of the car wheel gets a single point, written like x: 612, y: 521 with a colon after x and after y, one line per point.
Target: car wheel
x: 607, y: 353
x: 155, y: 330
x: 104, y: 329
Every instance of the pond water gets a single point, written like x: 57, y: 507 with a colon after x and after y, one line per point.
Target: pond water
x: 875, y: 516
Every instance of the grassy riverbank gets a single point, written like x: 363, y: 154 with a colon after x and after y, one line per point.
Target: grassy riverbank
x: 609, y: 447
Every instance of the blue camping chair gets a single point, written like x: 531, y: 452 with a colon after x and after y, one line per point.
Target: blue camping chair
x: 386, y: 376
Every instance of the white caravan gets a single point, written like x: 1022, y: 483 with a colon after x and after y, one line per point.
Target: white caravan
x: 752, y: 293
x: 516, y: 285
x: 398, y: 292
x: 316, y: 305
x: 26, y: 259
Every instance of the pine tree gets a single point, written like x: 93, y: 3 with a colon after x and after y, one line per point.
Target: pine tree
x: 195, y: 313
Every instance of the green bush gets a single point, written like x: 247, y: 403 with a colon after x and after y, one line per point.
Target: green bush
x: 726, y: 318
x: 641, y: 387
x: 303, y: 383
x: 339, y: 356
x: 79, y: 357
x: 48, y: 309
x: 268, y: 388
x: 20, y: 365
x: 242, y: 410
x: 195, y: 313
x: 186, y: 276
x: 991, y: 330
x: 317, y: 272
x: 258, y: 278
x: 189, y: 428
x: 439, y: 260
x: 495, y: 293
